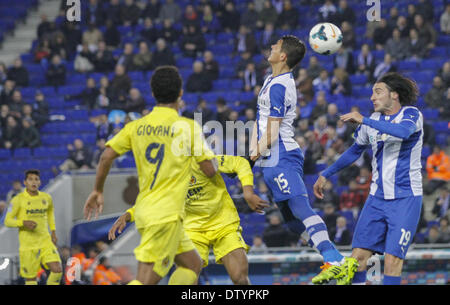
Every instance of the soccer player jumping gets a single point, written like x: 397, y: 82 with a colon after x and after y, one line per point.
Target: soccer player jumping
x: 389, y: 218
x: 281, y: 159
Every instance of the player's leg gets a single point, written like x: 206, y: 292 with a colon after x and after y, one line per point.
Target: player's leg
x: 146, y: 275
x: 362, y: 256
x: 51, y: 261
x: 29, y: 266
x: 188, y: 261
x: 236, y: 264
x: 402, y: 216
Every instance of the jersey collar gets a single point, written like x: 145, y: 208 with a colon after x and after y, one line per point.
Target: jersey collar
x: 165, y: 110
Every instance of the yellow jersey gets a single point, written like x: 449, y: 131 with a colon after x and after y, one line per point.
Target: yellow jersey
x: 164, y: 145
x: 38, y: 208
x: 208, y: 204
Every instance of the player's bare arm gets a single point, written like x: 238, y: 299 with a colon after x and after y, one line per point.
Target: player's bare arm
x: 54, y: 238
x: 318, y: 187
x: 353, y: 117
x: 271, y: 135
x: 253, y: 200
x: 119, y: 225
x: 95, y: 201
x: 209, y: 167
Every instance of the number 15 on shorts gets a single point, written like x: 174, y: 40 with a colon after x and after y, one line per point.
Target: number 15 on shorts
x: 283, y: 184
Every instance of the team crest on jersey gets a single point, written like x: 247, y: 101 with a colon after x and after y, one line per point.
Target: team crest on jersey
x: 193, y: 181
x: 43, y: 201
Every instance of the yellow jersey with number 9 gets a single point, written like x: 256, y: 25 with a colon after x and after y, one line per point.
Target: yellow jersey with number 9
x: 164, y: 145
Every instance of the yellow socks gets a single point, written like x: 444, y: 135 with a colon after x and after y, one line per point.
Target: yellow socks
x: 134, y: 282
x: 183, y: 276
x: 31, y: 282
x: 54, y: 278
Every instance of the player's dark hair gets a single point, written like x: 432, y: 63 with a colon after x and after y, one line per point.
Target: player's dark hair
x: 406, y: 88
x: 32, y: 172
x: 294, y: 48
x: 166, y: 84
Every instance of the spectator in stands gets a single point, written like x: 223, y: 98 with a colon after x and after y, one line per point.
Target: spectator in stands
x: 190, y: 16
x: 72, y: 30
x: 4, y: 114
x: 7, y: 91
x: 349, y: 36
x: 149, y: 32
x: 113, y: 11
x: 416, y: 46
x: 314, y: 67
x: 84, y: 60
x: 210, y: 65
x: 222, y: 111
x: 344, y: 13
x: 203, y: 109
x: 412, y: 12
x: 444, y: 112
x: 44, y: 27
x: 438, y: 169
x: 352, y: 199
x: 267, y: 15
x: 321, y: 107
x: 313, y: 146
x: 364, y: 180
x: 340, y: 83
x: 434, y: 98
x: 444, y: 20
x: 168, y: 32
x: 444, y: 229
x: 3, y: 210
x: 323, y: 82
x: 330, y: 197
x: 198, y: 81
x: 230, y: 18
x: 332, y: 115
x: 40, y: 106
x: 249, y: 17
x: 11, y: 133
x: 104, y: 274
x: 381, y: 34
x: 339, y: 234
x: 397, y: 46
x: 56, y: 72
x: 135, y: 102
x: 103, y: 59
x: 268, y: 37
x: 426, y: 31
x: 162, y: 55
x: 344, y: 60
x: 250, y: 78
x: 58, y: 45
x: 111, y: 36
x: 93, y: 12
x: 289, y: 17
x: 403, y: 27
x: 275, y: 235
x: 120, y: 83
x: 245, y: 41
x: 92, y: 36
x: 444, y: 73
x: 142, y: 61
x: 3, y: 74
x: 327, y: 12
x: 193, y: 42
x: 30, y: 136
x: 151, y: 10
x: 16, y: 105
x: 80, y: 157
x: 320, y: 128
x: 393, y: 17
x: 434, y: 236
x: 344, y: 132
x: 170, y: 10
x: 126, y: 59
x: 15, y: 190
x: 42, y: 51
x: 304, y: 84
x: 18, y: 73
x: 384, y: 67
x: 244, y: 59
x: 442, y: 203
x: 258, y: 244
x: 88, y: 96
x: 99, y: 149
x: 209, y: 23
x: 27, y: 112
x: 330, y: 215
x: 130, y: 13
x: 104, y: 127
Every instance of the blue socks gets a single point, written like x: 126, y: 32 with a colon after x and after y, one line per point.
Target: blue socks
x: 359, y: 278
x: 392, y: 280
x: 315, y: 227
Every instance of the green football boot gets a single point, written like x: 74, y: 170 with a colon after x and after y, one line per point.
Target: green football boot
x: 329, y: 272
x: 349, y: 268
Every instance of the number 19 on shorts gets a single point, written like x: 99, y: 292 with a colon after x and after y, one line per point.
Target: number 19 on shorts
x: 404, y: 239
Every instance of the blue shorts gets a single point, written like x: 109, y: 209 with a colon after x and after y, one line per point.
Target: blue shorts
x: 387, y: 226
x: 285, y: 180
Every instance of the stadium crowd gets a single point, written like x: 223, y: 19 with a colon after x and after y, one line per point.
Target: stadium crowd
x: 165, y: 32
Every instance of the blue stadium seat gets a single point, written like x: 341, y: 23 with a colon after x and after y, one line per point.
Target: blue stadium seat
x: 22, y: 153
x: 221, y: 84
x: 441, y: 126
x: 430, y: 114
x: 407, y: 65
x: 358, y: 79
x: 442, y: 139
x: 5, y: 153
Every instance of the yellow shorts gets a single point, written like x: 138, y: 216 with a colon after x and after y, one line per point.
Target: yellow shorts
x: 222, y: 241
x: 31, y: 260
x: 160, y: 244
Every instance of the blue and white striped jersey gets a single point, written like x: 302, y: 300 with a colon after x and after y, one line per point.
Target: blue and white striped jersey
x: 396, y: 162
x: 278, y: 98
